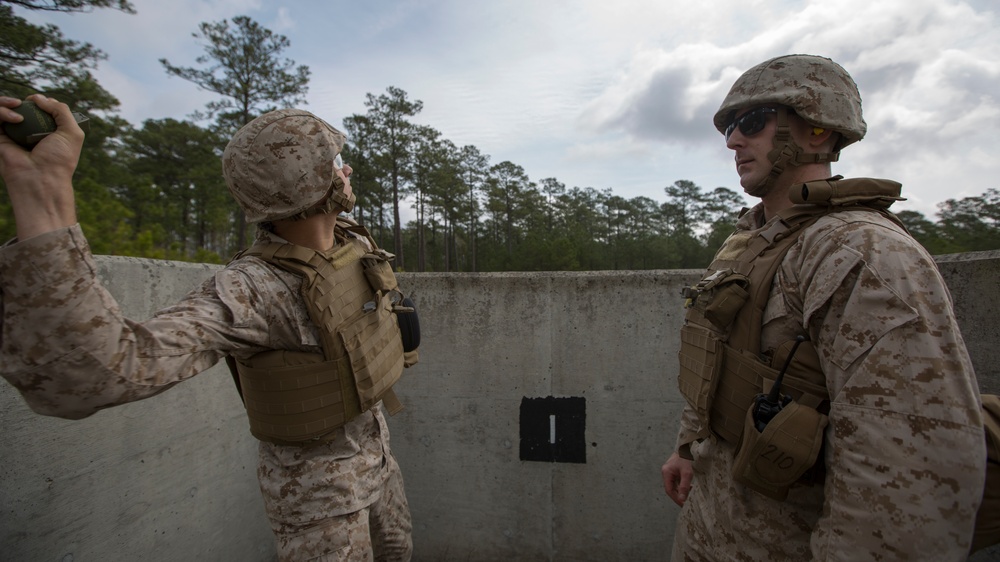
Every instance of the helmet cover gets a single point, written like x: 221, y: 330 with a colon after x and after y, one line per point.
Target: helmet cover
x: 816, y: 88
x: 281, y: 164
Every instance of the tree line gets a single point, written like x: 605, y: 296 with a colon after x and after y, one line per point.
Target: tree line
x: 157, y: 190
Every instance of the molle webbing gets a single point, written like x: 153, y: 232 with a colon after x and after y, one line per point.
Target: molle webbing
x: 295, y: 398
x: 738, y: 370
x: 728, y: 356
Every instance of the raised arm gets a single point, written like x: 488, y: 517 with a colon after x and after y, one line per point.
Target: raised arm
x: 40, y: 181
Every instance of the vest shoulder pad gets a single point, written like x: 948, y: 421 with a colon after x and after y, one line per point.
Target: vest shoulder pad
x: 872, y: 192
x: 351, y: 228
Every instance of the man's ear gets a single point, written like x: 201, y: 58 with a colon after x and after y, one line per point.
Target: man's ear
x: 818, y: 136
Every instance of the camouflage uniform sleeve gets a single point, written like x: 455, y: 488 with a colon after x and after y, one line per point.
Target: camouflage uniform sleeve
x: 905, y: 453
x: 69, y: 350
x: 688, y: 432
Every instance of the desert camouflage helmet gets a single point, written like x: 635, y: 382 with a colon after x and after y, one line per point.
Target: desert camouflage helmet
x: 281, y: 164
x: 818, y: 89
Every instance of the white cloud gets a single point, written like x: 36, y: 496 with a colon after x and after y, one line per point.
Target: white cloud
x: 926, y: 69
x: 596, y: 93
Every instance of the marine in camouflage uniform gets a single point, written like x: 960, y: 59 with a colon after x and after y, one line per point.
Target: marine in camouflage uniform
x: 338, y: 498
x: 901, y: 456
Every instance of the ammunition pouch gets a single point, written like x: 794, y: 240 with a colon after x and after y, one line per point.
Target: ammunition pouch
x: 719, y: 297
x: 771, y: 461
x: 717, y: 381
x: 374, y: 349
x: 377, y: 266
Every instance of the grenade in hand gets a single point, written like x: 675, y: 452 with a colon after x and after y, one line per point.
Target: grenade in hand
x: 37, y: 125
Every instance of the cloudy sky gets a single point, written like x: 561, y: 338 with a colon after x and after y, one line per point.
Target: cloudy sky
x: 605, y: 94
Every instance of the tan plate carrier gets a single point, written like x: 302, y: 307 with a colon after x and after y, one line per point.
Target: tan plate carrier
x: 297, y: 398
x: 721, y: 366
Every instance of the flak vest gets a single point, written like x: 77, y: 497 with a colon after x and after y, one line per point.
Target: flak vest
x: 722, y: 369
x: 351, y: 293
x: 723, y: 372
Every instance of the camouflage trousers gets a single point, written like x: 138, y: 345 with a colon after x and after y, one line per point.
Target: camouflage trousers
x: 380, y: 531
x: 722, y: 521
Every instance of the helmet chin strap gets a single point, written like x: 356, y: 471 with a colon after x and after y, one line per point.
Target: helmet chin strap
x: 334, y: 204
x: 785, y: 154
x: 338, y: 200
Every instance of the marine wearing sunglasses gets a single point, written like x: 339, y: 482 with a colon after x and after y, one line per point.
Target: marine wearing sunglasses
x: 751, y: 122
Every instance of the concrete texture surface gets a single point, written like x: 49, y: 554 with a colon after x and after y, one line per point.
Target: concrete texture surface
x: 172, y: 477
x: 496, y: 339
x: 169, y: 478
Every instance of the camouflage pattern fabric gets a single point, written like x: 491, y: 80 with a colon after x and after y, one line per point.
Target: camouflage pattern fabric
x: 904, y: 451
x: 104, y: 359
x: 281, y: 163
x: 818, y: 89
x: 380, y: 531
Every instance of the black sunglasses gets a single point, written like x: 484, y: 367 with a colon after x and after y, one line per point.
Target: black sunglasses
x: 751, y: 122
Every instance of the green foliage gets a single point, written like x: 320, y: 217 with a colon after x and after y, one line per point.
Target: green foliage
x: 369, y: 190
x: 40, y: 59
x: 243, y: 64
x: 970, y: 224
x: 70, y: 6
x: 925, y: 232
x: 177, y: 184
x: 158, y: 191
x: 245, y: 68
x: 37, y: 58
x: 531, y: 227
x: 385, y: 140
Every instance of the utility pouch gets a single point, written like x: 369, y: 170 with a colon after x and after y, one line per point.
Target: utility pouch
x: 770, y: 461
x: 378, y: 270
x: 700, y: 359
x: 375, y: 348
x: 377, y: 266
x: 729, y: 297
x: 719, y: 297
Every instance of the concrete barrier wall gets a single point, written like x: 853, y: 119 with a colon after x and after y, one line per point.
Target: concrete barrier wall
x: 173, y: 477
x: 169, y: 478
